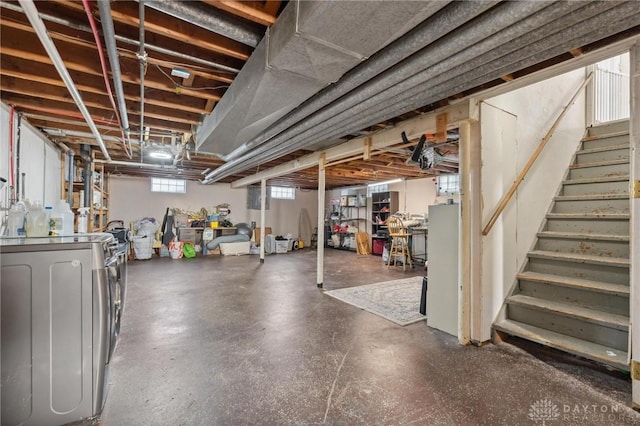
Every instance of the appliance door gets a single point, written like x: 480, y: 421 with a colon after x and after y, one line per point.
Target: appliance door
x: 115, y: 303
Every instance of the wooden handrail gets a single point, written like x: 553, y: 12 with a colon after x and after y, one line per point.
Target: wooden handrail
x: 507, y: 197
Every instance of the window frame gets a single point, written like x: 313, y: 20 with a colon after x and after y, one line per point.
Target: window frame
x: 282, y: 192
x: 451, y: 186
x: 168, y: 185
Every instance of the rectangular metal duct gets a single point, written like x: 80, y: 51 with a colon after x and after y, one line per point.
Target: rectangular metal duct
x: 312, y: 44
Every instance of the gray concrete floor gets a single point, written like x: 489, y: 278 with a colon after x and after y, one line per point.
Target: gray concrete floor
x: 225, y: 340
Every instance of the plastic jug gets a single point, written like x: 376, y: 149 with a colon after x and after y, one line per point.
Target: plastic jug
x: 83, y: 220
x: 61, y: 221
x: 15, y: 221
x: 37, y: 221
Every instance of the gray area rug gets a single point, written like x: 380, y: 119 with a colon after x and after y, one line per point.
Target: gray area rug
x: 397, y: 300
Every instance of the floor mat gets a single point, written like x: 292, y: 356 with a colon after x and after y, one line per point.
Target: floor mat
x: 397, y: 300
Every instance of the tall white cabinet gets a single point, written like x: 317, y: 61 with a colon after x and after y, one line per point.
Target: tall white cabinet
x: 442, y: 294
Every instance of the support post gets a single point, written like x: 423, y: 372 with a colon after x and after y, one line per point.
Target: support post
x: 464, y: 306
x: 321, y: 236
x: 263, y: 209
x: 475, y: 229
x: 634, y: 221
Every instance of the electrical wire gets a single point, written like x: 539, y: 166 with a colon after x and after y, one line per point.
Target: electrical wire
x: 190, y: 88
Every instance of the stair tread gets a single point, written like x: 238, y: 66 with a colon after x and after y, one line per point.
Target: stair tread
x: 603, y: 149
x: 599, y: 317
x: 598, y: 163
x: 588, y: 216
x: 605, y: 136
x: 590, y: 350
x: 619, y: 178
x: 583, y: 236
x: 580, y: 258
x: 599, y: 286
x: 587, y: 197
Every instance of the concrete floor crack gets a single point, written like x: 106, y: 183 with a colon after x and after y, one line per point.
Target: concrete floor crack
x: 333, y: 386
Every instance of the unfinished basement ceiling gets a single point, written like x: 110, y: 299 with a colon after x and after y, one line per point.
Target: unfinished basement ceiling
x: 409, y: 65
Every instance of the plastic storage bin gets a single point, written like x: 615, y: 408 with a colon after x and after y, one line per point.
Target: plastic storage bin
x: 282, y: 246
x: 235, y: 249
x: 142, y: 247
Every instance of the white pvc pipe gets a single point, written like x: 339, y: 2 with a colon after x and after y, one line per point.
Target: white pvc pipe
x: 321, y: 236
x: 263, y: 209
x: 40, y: 29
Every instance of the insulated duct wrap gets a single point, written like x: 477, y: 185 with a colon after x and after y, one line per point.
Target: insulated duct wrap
x: 311, y: 45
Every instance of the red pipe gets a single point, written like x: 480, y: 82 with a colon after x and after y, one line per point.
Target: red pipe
x: 105, y: 73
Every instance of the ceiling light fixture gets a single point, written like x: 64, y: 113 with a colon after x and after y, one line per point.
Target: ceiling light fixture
x: 162, y: 155
x: 179, y: 72
x: 386, y: 182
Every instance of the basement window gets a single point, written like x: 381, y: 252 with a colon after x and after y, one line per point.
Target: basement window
x: 283, y: 192
x: 174, y: 186
x: 448, y: 184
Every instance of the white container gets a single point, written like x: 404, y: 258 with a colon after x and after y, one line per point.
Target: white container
x: 15, y: 222
x: 83, y: 220
x: 37, y: 221
x: 282, y: 246
x: 235, y: 249
x: 62, y: 218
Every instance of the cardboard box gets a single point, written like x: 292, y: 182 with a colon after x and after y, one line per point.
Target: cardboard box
x: 235, y: 249
x: 256, y: 234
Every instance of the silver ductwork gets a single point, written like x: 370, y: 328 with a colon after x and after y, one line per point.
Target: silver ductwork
x: 197, y: 14
x: 312, y: 45
x: 503, y: 40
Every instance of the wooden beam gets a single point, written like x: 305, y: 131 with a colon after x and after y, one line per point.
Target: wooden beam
x: 160, y: 99
x: 413, y: 128
x: 94, y: 70
x: 366, y: 155
x: 177, y: 30
x: 244, y: 10
x: 441, y: 127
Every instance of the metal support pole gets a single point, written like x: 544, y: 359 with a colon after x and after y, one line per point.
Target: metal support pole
x: 321, y: 236
x: 263, y: 210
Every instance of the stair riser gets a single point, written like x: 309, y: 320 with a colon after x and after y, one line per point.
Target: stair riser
x: 591, y: 247
x: 569, y: 326
x: 615, y: 304
x: 604, y: 129
x: 594, y: 157
x: 587, y: 271
x: 599, y: 171
x: 606, y: 142
x: 589, y: 226
x: 617, y: 187
x: 592, y: 206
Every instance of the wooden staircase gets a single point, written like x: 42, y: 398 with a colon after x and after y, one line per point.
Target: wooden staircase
x: 573, y: 292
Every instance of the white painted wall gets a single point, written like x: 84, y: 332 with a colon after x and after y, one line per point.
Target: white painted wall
x: 39, y: 160
x: 416, y: 195
x: 512, y: 126
x: 131, y: 199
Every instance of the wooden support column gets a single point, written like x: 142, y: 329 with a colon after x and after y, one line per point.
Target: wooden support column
x: 263, y: 210
x: 464, y: 293
x: 321, y: 236
x: 634, y: 139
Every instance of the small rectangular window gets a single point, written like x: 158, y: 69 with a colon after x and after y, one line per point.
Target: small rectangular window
x: 283, y: 192
x: 448, y: 184
x: 372, y: 189
x: 175, y: 186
